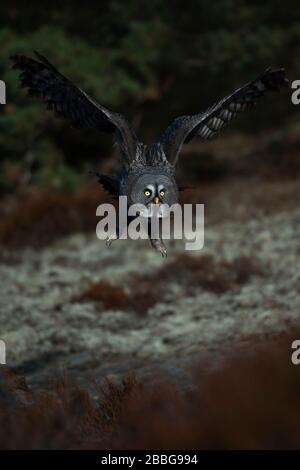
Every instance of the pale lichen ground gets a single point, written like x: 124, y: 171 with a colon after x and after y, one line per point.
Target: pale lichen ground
x: 45, y: 331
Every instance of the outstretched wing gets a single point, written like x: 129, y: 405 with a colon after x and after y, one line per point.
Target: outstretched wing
x: 111, y: 184
x: 207, y: 124
x: 43, y: 80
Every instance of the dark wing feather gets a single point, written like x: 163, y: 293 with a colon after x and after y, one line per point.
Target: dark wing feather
x: 207, y: 124
x: 109, y: 183
x: 43, y: 80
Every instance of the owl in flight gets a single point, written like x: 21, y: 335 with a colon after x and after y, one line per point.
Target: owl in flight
x: 148, y: 171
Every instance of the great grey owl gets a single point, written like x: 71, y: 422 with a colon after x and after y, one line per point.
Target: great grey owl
x: 147, y: 174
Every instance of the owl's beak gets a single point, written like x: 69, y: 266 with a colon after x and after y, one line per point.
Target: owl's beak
x: 156, y: 200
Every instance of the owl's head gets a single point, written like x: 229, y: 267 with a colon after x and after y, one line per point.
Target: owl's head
x: 151, y: 185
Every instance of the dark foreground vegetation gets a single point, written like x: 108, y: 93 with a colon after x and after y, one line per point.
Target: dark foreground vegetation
x: 250, y: 401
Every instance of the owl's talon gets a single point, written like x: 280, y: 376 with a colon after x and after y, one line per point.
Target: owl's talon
x: 163, y: 251
x: 110, y: 239
x: 159, y: 246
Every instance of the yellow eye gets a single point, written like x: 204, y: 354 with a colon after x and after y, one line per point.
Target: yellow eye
x: 147, y: 192
x: 162, y: 193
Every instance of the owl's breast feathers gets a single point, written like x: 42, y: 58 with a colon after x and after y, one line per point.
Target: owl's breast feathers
x: 149, y: 159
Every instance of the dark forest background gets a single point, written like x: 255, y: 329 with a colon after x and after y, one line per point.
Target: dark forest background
x: 150, y: 60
